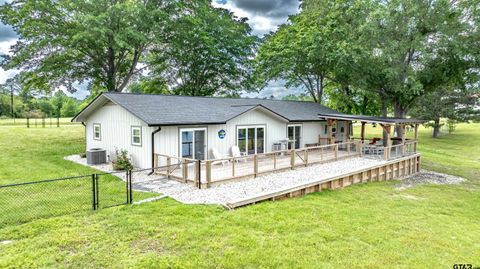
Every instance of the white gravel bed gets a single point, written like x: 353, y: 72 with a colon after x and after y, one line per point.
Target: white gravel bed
x: 224, y: 193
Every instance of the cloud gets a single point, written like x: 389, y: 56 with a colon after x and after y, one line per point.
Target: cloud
x: 7, y: 33
x: 263, y: 16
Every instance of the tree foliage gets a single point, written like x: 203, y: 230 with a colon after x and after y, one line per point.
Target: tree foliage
x: 209, y: 53
x: 100, y: 41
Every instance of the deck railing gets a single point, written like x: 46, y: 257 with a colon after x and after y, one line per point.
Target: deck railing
x: 204, y: 172
x: 229, y: 168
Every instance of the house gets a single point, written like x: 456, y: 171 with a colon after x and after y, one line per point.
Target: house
x: 195, y: 127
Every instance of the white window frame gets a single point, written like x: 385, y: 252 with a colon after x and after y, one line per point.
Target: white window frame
x: 180, y: 130
x: 255, y: 135
x: 301, y: 133
x: 99, y: 138
x: 132, y: 136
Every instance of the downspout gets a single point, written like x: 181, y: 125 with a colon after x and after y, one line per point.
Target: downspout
x: 153, y: 149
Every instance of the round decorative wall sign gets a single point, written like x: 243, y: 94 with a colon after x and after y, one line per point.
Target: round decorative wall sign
x: 221, y: 134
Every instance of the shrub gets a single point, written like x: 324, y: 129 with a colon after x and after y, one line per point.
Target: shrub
x: 83, y: 155
x: 122, y: 162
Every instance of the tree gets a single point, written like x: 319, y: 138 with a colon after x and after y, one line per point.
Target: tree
x: 57, y: 101
x: 69, y: 109
x: 315, y: 49
x: 11, y: 87
x: 209, y: 54
x: 416, y: 47
x: 459, y: 105
x: 101, y: 41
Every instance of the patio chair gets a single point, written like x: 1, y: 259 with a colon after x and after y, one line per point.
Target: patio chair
x: 239, y: 156
x: 216, y: 155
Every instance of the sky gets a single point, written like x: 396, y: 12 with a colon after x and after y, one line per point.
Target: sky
x: 263, y: 16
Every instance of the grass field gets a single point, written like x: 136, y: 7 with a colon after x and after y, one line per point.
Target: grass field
x: 364, y: 226
x: 29, y: 154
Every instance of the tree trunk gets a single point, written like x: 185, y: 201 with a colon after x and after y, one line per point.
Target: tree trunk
x: 399, y: 112
x: 436, y: 128
x: 384, y: 114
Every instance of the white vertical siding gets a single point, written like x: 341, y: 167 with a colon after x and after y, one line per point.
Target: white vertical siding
x: 116, y: 125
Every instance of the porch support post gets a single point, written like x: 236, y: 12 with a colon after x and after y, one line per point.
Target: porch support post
x: 362, y: 134
x: 403, y: 134
x: 416, y: 138
x: 387, y: 129
x: 330, y: 130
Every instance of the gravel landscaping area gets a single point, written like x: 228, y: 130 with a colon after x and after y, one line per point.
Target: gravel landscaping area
x: 221, y: 194
x: 428, y: 177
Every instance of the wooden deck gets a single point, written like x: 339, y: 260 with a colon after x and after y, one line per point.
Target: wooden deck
x: 206, y: 173
x: 393, y: 169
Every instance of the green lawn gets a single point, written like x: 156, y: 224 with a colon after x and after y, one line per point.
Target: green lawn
x: 37, y: 154
x: 364, y: 226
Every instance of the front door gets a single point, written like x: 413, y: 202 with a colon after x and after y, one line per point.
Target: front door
x: 193, y: 143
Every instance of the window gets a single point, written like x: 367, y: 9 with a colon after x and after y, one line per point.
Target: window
x: 136, y: 135
x: 193, y: 143
x: 251, y: 140
x: 97, y: 131
x: 294, y: 136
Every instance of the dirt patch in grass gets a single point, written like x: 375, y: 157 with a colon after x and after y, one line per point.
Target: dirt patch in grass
x: 428, y: 177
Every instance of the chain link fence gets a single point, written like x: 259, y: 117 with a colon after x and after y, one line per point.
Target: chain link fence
x: 27, y: 201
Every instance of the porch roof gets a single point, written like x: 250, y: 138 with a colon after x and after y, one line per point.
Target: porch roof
x: 371, y: 119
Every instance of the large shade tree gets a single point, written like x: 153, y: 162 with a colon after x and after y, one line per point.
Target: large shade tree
x: 210, y: 52
x: 316, y: 48
x: 99, y: 41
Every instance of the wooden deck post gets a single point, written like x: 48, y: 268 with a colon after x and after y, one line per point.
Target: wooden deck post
x: 292, y: 159
x: 362, y: 133
x: 169, y: 163
x: 336, y: 152
x: 155, y: 163
x: 208, y: 172
x: 416, y: 138
x: 275, y: 161
x: 233, y: 167
x: 330, y: 130
x: 387, y: 128
x: 305, y: 157
x: 255, y: 165
x: 184, y: 170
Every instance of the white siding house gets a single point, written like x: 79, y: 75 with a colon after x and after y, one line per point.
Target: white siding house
x: 194, y: 126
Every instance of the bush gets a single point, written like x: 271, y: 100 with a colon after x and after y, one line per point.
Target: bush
x: 122, y: 162
x: 83, y: 155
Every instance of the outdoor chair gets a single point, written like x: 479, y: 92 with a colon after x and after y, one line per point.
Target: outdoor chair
x: 216, y: 155
x: 239, y: 156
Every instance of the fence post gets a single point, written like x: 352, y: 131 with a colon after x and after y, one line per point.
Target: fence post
x: 97, y: 191
x: 336, y: 152
x: 199, y: 174
x: 169, y: 162
x: 43, y: 122
x: 130, y: 187
x: 35, y: 122
x: 28, y: 122
x: 58, y: 122
x: 127, y: 178
x: 184, y: 170
x: 50, y: 119
x: 94, y: 192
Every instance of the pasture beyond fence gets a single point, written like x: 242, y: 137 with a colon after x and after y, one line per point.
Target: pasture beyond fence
x: 27, y: 201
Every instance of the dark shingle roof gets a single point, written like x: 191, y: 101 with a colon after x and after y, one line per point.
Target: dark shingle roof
x: 177, y: 110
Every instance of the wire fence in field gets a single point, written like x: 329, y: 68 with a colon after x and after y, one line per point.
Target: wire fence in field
x: 47, y: 122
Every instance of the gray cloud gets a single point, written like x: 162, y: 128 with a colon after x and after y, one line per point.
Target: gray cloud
x: 269, y: 8
x: 7, y: 33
